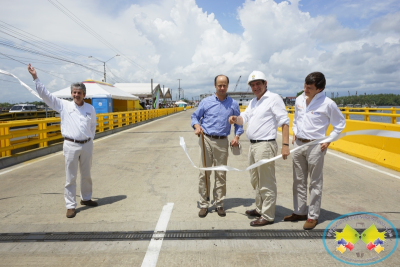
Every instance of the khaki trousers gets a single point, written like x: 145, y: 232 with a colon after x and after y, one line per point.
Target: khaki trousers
x: 77, y: 155
x: 263, y: 178
x: 216, y: 154
x: 308, y: 160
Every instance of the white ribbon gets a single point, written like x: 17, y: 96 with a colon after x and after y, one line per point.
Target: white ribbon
x: 391, y: 134
x: 22, y: 83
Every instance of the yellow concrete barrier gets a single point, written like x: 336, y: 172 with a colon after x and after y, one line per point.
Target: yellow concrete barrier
x: 383, y: 151
x: 23, y: 134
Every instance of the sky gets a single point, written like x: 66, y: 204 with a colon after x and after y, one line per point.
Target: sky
x: 356, y: 44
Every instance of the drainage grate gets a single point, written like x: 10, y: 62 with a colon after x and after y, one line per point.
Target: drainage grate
x: 169, y: 235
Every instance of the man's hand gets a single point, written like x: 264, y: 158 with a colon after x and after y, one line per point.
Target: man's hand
x: 324, y: 146
x: 32, y: 71
x: 294, y: 139
x: 197, y: 129
x: 235, y: 141
x: 232, y: 119
x: 285, y: 152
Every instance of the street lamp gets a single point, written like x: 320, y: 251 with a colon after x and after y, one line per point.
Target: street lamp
x: 104, y: 64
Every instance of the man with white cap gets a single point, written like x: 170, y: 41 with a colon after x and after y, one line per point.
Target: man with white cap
x: 78, y: 127
x: 265, y: 113
x: 313, y: 114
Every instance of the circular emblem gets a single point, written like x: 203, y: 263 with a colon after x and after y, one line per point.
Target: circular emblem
x: 360, y: 238
x: 100, y: 104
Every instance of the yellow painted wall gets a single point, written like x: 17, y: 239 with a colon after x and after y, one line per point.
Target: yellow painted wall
x: 123, y: 105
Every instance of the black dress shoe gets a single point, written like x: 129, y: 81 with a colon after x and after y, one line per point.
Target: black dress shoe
x: 260, y: 222
x: 89, y: 203
x: 253, y: 213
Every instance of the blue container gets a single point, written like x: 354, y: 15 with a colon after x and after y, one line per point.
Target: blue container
x: 102, y: 103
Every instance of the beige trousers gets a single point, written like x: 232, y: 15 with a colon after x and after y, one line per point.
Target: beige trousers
x: 307, y: 160
x: 216, y: 154
x: 263, y: 178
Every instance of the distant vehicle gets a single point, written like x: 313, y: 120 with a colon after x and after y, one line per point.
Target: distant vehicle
x: 4, y: 109
x: 23, y: 108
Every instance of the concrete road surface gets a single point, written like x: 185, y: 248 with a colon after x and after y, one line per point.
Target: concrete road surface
x: 137, y: 172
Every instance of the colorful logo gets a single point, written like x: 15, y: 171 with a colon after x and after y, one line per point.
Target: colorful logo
x: 360, y: 238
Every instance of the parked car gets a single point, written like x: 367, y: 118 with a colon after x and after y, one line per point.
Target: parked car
x: 23, y: 108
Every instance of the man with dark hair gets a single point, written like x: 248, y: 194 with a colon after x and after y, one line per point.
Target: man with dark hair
x: 265, y: 113
x: 78, y: 127
x: 213, y: 112
x: 313, y: 114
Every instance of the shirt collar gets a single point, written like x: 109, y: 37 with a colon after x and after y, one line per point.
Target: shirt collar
x: 265, y: 95
x: 216, y: 97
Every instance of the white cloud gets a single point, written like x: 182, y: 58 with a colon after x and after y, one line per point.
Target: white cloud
x: 174, y: 39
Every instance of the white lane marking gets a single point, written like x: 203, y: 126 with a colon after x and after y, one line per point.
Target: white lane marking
x: 361, y: 164
x: 365, y: 166
x: 21, y: 165
x: 151, y: 257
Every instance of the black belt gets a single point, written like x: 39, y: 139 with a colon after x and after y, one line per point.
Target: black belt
x: 77, y: 141
x: 215, y: 136
x: 258, y: 141
x: 305, y: 140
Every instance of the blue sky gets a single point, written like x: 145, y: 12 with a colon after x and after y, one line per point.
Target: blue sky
x: 355, y: 43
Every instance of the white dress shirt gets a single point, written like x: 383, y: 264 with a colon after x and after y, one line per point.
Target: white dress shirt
x: 312, y: 121
x: 265, y: 116
x: 77, y: 122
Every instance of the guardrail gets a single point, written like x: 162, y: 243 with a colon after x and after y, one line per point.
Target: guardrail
x: 33, y: 133
x: 9, y: 116
x: 366, y: 112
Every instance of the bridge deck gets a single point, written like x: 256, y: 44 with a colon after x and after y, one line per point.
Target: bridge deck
x: 138, y: 171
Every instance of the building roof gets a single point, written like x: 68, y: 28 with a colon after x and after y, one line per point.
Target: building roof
x: 139, y: 89
x: 95, y: 88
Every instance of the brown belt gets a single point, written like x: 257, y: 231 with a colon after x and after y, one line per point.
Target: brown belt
x: 215, y: 136
x: 77, y: 141
x: 304, y: 140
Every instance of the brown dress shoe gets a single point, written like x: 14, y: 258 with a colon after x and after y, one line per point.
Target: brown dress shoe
x: 71, y: 213
x: 221, y: 211
x: 253, y: 213
x: 89, y: 203
x: 260, y: 222
x: 310, y: 224
x: 295, y: 218
x: 203, y: 212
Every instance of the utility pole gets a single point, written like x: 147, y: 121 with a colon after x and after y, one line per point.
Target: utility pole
x: 104, y: 64
x: 179, y: 89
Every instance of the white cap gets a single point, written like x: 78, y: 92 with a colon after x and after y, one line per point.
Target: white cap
x: 256, y: 75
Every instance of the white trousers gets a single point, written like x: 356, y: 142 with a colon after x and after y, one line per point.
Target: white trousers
x: 308, y: 160
x: 74, y: 155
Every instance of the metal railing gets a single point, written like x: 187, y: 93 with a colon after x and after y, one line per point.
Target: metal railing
x: 34, y: 133
x: 366, y: 112
x: 9, y: 116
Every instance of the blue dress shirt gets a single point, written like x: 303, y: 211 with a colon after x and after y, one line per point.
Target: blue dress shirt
x: 214, y: 116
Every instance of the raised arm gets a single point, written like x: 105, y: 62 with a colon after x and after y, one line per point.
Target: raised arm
x: 52, y: 101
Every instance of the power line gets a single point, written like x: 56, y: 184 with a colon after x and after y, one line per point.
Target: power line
x: 83, y: 25
x: 44, y: 42
x: 36, y: 68
x: 29, y: 50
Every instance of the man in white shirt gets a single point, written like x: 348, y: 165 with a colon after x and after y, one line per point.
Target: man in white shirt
x: 78, y: 127
x: 313, y: 114
x: 265, y: 113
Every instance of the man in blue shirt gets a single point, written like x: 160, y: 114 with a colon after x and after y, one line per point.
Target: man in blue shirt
x: 214, y: 112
